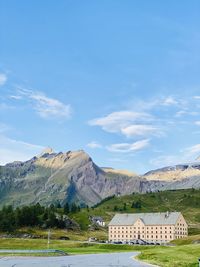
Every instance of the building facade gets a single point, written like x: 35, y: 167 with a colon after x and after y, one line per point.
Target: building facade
x: 150, y: 227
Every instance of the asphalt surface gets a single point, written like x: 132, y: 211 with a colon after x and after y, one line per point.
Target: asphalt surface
x: 92, y: 260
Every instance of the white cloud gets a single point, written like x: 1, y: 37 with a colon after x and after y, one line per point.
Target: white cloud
x: 3, y: 79
x: 139, y: 130
x: 166, y: 160
x: 186, y: 155
x: 126, y: 147
x: 196, y: 97
x: 45, y: 106
x: 169, y: 101
x: 16, y: 97
x: 181, y: 113
x: 94, y: 144
x: 193, y: 151
x: 15, y: 150
x: 128, y: 123
x: 197, y: 123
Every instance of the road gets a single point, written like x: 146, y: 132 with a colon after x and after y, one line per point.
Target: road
x: 92, y: 260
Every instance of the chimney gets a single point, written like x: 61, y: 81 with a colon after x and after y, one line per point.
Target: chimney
x: 167, y: 214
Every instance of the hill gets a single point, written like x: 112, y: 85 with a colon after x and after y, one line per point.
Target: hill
x: 187, y: 201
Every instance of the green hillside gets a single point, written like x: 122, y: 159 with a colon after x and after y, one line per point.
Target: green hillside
x: 187, y: 201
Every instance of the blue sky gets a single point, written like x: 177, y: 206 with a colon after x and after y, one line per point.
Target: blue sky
x: 119, y: 79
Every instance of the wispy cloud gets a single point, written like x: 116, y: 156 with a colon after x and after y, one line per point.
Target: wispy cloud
x: 94, y: 144
x: 185, y: 112
x: 45, y: 106
x: 193, y: 151
x: 197, y: 97
x: 166, y: 160
x: 169, y: 101
x: 188, y: 154
x: 140, y: 130
x: 116, y: 121
x: 16, y: 150
x: 126, y: 147
x: 3, y: 79
x: 128, y: 123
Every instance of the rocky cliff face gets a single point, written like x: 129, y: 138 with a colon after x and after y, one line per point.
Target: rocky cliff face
x: 74, y: 177
x: 64, y: 177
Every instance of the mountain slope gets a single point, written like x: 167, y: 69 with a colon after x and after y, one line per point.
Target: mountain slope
x: 180, y: 176
x: 73, y: 177
x: 64, y: 177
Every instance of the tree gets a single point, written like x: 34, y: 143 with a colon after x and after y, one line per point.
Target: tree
x: 137, y: 204
x: 116, y: 208
x: 74, y: 208
x: 124, y: 208
x: 66, y: 208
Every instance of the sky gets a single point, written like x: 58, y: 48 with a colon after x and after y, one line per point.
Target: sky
x: 118, y: 79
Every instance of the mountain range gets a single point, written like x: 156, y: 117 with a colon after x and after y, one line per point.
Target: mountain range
x: 73, y: 177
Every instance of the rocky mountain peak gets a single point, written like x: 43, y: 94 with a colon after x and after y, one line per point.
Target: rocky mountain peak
x: 47, y: 150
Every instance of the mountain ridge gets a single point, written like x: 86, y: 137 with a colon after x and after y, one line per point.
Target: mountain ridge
x: 72, y: 176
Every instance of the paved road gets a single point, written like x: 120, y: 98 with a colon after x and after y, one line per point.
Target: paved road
x: 94, y: 260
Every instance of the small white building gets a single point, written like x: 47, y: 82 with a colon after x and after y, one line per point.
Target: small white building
x: 98, y: 220
x: 151, y: 227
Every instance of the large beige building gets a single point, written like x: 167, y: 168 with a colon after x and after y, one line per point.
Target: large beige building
x: 150, y: 227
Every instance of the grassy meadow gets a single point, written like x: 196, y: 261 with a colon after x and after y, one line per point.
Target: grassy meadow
x: 182, y: 253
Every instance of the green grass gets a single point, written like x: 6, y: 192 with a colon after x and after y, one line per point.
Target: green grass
x: 180, y: 256
x: 177, y: 256
x: 101, y: 234
x: 194, y: 239
x: 187, y: 201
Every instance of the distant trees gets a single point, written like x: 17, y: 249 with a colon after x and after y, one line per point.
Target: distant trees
x: 136, y: 204
x: 35, y: 215
x: 66, y: 208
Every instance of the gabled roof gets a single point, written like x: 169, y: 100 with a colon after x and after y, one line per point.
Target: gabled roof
x: 163, y: 218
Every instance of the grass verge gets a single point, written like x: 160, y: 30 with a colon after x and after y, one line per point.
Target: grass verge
x: 177, y: 256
